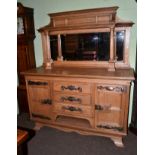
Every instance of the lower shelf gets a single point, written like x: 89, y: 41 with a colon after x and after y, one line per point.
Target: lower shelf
x: 64, y: 120
x: 83, y: 126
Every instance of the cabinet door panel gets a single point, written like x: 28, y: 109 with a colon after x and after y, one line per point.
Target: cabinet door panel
x: 109, y: 107
x: 40, y: 103
x: 38, y: 94
x: 112, y: 99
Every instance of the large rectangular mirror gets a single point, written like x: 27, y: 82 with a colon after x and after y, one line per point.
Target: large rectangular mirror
x: 87, y: 46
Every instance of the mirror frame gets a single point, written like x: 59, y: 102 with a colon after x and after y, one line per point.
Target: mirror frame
x: 103, y: 20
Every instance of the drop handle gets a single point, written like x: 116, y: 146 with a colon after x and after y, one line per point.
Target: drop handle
x: 111, y: 88
x: 70, y: 108
x: 110, y: 127
x: 37, y: 83
x: 104, y: 107
x: 71, y: 88
x: 46, y: 101
x: 71, y: 99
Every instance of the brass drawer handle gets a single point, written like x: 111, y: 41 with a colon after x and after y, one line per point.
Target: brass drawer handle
x: 70, y: 108
x: 37, y: 83
x: 40, y: 116
x: 71, y: 99
x: 110, y: 127
x: 104, y: 107
x: 70, y: 87
x: 46, y: 101
x: 110, y: 88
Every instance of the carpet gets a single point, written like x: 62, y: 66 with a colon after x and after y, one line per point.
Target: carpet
x: 50, y: 141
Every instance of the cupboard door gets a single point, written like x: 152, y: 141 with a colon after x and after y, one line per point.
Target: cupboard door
x: 40, y: 101
x: 110, y: 107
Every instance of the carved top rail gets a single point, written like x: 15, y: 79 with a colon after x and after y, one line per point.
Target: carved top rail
x: 103, y: 17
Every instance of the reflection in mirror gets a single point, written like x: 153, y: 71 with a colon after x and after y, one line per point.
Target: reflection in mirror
x: 88, y: 46
x: 54, y: 46
x: 120, y: 36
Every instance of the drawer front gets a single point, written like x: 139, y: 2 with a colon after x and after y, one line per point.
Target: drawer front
x: 73, y: 110
x: 71, y: 98
x: 72, y: 87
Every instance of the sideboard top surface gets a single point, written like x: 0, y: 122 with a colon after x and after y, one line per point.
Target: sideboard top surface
x: 102, y: 73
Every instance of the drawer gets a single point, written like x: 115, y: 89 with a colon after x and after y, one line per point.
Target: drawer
x: 72, y: 87
x: 73, y: 110
x: 71, y: 98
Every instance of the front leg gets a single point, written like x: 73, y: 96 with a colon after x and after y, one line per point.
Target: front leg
x: 118, y: 141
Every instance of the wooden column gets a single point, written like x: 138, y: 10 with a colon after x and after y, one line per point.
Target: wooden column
x: 111, y: 44
x: 111, y: 66
x: 46, y: 50
x: 60, y: 57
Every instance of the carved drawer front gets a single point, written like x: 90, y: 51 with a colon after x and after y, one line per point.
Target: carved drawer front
x: 72, y: 87
x: 70, y: 98
x: 73, y: 110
